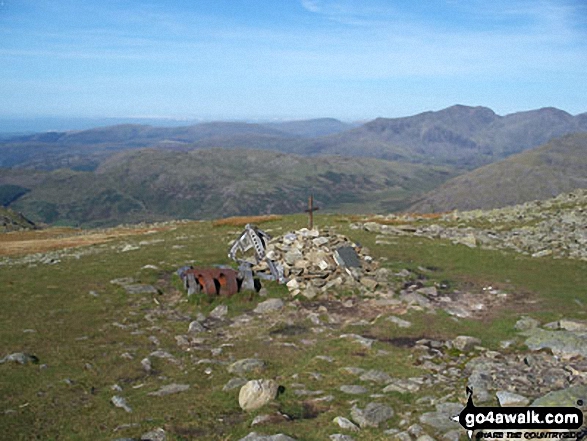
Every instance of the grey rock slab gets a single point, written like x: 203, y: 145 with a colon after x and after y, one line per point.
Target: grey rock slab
x: 345, y: 423
x: 564, y: 397
x: 257, y: 393
x: 508, y: 399
x: 140, y: 289
x: 246, y: 365
x: 170, y: 389
x: 234, y: 383
x: 564, y: 343
x: 254, y: 436
x: 268, y: 306
x: 353, y: 389
x: 425, y: 437
x: 441, y: 418
x: 372, y: 415
x: 376, y: 377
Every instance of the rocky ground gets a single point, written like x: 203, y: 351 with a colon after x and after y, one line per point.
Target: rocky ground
x: 351, y: 349
x: 556, y: 227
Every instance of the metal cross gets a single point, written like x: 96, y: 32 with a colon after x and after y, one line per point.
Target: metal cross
x: 310, y: 210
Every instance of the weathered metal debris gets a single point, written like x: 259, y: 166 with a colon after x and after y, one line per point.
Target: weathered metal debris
x: 211, y: 281
x: 254, y: 238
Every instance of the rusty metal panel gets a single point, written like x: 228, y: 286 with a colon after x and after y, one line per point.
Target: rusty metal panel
x: 212, y: 281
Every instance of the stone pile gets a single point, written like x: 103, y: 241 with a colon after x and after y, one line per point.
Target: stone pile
x: 317, y: 262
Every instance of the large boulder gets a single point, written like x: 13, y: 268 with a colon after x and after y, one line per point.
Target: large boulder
x: 257, y: 393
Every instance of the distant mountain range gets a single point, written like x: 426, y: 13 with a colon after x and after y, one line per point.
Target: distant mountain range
x: 559, y: 166
x: 459, y: 136
x: 133, y: 172
x: 152, y: 185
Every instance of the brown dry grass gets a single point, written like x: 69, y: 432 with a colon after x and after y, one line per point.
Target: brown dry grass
x: 241, y: 221
x: 40, y: 241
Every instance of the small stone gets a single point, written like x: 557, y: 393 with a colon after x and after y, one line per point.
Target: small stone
x: 256, y: 393
x: 154, y: 435
x: 118, y: 401
x: 20, y: 358
x: 246, y: 365
x: 372, y: 415
x: 429, y: 291
x: 369, y: 283
x: 510, y: 399
x: 353, y: 389
x: 270, y: 305
x: 219, y: 312
x: 399, y: 322
x: 344, y: 423
x: 147, y: 366
x: 339, y: 437
x: 465, y: 343
x: 234, y: 383
x: 140, y: 289
x: 170, y: 389
x: 195, y: 327
x: 526, y: 323
x: 376, y: 377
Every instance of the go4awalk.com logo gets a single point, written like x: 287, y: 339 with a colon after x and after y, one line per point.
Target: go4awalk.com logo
x: 514, y: 422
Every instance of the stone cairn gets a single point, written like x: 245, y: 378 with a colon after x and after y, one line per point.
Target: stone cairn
x: 316, y: 262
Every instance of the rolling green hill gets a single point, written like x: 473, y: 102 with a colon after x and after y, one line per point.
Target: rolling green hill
x: 557, y: 167
x: 151, y: 185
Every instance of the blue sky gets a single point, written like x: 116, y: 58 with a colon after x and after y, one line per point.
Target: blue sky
x: 289, y: 59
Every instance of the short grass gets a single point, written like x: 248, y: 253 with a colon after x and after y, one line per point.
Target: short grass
x: 86, y: 343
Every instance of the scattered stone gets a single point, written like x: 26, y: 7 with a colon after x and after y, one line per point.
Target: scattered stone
x: 363, y: 341
x: 256, y: 393
x: 344, y: 423
x: 170, y: 389
x: 339, y: 437
x: 465, y: 343
x: 219, y: 312
x: 140, y: 289
x: 399, y: 322
x: 118, y: 401
x: 196, y: 327
x: 154, y: 435
x: 526, y: 323
x: 376, y: 377
x: 269, y: 305
x: 372, y: 415
x: 441, y: 418
x: 164, y: 355
x: 246, y: 365
x: 147, y: 366
x: 510, y: 399
x: 562, y: 398
x: 20, y: 358
x: 353, y: 389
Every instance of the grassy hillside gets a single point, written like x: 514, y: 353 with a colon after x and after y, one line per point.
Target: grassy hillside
x: 557, y: 167
x: 150, y: 185
x: 90, y: 336
x: 12, y: 221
